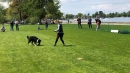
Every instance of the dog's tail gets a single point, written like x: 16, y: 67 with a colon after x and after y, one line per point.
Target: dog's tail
x: 28, y: 37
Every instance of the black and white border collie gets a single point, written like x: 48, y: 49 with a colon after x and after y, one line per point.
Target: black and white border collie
x: 34, y: 40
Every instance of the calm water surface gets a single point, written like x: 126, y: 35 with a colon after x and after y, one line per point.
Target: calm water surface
x: 116, y: 19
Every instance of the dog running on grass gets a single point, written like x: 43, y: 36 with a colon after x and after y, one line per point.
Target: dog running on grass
x: 34, y: 40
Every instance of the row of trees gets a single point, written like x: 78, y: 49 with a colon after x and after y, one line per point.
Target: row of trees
x: 99, y: 14
x: 33, y: 10
x: 2, y: 14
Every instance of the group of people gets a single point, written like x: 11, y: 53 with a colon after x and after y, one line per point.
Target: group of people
x: 59, y: 29
x: 11, y: 26
x: 60, y: 32
x: 12, y: 23
x: 98, y: 22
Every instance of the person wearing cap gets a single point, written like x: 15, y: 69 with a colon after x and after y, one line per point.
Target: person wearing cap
x: 60, y: 32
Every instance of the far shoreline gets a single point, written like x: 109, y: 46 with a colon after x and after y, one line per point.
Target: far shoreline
x: 104, y: 23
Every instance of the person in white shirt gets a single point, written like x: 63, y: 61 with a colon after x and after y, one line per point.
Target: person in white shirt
x: 60, y: 33
x: 17, y: 26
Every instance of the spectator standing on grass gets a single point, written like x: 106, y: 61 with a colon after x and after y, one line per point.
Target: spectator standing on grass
x: 90, y: 22
x: 17, y: 26
x: 79, y: 22
x: 68, y: 21
x: 60, y: 33
x: 46, y: 24
x: 22, y: 22
x: 11, y: 25
x: 98, y: 23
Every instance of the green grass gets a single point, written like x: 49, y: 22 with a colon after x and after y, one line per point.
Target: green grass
x: 101, y: 51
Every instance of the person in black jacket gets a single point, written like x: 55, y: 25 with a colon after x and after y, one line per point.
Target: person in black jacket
x: 60, y: 33
x: 79, y: 22
x: 98, y: 22
x: 11, y: 25
x: 90, y: 22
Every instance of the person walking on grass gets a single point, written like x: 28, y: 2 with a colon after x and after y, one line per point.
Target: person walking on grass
x: 79, y: 22
x: 60, y: 33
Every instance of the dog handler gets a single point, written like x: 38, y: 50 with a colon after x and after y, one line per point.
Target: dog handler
x: 60, y: 33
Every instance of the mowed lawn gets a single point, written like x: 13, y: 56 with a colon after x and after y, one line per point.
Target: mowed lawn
x: 86, y: 50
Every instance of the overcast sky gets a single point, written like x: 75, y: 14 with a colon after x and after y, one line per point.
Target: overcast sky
x: 91, y: 6
x: 4, y: 4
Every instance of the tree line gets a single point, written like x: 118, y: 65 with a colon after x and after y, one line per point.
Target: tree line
x: 98, y: 14
x: 33, y: 10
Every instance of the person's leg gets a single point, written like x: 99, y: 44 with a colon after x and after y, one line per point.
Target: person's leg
x: 80, y: 25
x: 10, y: 28
x: 89, y: 25
x: 18, y: 27
x: 61, y: 38
x: 97, y: 27
x: 56, y: 39
x: 46, y: 26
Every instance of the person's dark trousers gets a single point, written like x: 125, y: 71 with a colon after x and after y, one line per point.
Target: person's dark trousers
x: 17, y: 27
x: 46, y: 26
x: 90, y: 25
x: 79, y: 25
x: 59, y: 35
x: 11, y: 28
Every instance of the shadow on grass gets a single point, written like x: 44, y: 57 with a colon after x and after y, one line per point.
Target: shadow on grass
x: 40, y: 45
x: 69, y: 45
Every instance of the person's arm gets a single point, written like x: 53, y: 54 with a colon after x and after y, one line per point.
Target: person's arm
x: 57, y: 28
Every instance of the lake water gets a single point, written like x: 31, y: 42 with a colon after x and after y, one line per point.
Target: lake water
x: 116, y: 19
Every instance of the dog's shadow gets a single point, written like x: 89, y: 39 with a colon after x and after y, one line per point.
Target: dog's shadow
x: 40, y: 45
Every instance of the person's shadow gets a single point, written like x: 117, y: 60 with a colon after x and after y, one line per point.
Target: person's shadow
x: 68, y: 45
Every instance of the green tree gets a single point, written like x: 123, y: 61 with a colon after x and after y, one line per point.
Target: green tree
x: 69, y: 16
x: 124, y: 14
x: 14, y: 11
x: 85, y: 16
x: 34, y: 8
x: 2, y: 14
x: 80, y: 15
x: 52, y: 8
x: 41, y: 8
x: 95, y: 15
x: 128, y: 13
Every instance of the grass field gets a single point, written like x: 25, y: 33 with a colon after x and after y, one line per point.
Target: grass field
x: 87, y: 50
